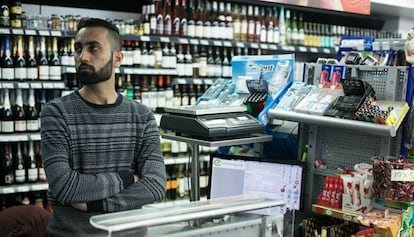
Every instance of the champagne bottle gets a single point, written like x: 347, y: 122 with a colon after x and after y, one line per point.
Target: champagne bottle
x: 42, y: 61
x: 54, y: 62
x: 7, y: 122
x: 20, y: 70
x: 20, y: 170
x: 32, y: 114
x: 8, y: 164
x: 32, y: 173
x: 7, y: 64
x: 19, y: 113
x: 31, y: 62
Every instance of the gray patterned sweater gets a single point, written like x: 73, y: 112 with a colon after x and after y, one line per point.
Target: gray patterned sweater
x: 90, y: 153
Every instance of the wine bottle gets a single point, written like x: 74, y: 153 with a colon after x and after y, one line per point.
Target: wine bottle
x: 7, y: 122
x: 54, y: 62
x: 20, y: 70
x: 31, y: 164
x: 7, y: 64
x: 32, y: 114
x: 31, y: 62
x: 8, y: 164
x: 42, y: 61
x: 20, y: 170
x: 40, y: 169
x: 19, y: 113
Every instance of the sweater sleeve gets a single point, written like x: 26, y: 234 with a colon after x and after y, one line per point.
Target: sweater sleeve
x: 65, y: 183
x: 152, y: 176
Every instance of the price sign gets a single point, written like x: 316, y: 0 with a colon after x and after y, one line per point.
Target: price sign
x: 183, y: 41
x: 145, y: 38
x: 217, y: 43
x: 59, y: 85
x: 165, y: 39
x: 402, y: 175
x: 254, y: 45
x: 204, y: 42
x: 56, y: 33
x: 302, y: 49
x: 240, y: 45
x: 197, y: 81
x: 272, y: 46
x: 227, y: 43
x: 181, y: 81
x: 17, y: 31
x: 23, y: 85
x: 347, y: 217
x: 208, y: 81
x: 128, y: 71
x: 264, y: 46
x: 44, y: 32
x: 36, y: 85
x: 8, y: 85
x: 194, y: 41
x: 4, y: 31
x: 285, y: 48
x: 30, y: 32
x: 48, y: 85
x: 326, y: 50
x: 313, y: 49
x: 7, y: 190
x: 22, y: 189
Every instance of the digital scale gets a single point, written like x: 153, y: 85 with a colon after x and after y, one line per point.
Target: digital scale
x: 210, y: 123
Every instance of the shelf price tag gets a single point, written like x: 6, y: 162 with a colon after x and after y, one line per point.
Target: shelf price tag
x: 402, y: 175
x: 326, y: 50
x: 264, y: 46
x: 165, y: 39
x: 194, y: 41
x: 44, y: 32
x: 4, y: 31
x: 183, y: 41
x: 181, y: 81
x: 36, y: 85
x: 7, y: 85
x: 254, y: 45
x: 145, y: 38
x: 302, y: 49
x: 313, y: 49
x: 7, y: 190
x: 128, y: 71
x: 48, y: 85
x: 30, y: 32
x: 56, y: 33
x: 227, y: 44
x: 59, y: 85
x: 217, y: 43
x: 328, y: 212
x: 240, y: 45
x: 17, y: 31
x: 23, y: 85
x: 204, y: 42
x: 208, y: 81
x: 197, y: 81
x: 272, y: 46
x: 22, y: 189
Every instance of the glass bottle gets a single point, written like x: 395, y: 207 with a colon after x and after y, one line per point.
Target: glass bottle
x: 42, y: 61
x: 176, y: 19
x: 7, y: 64
x: 19, y: 113
x: 20, y: 70
x: 54, y: 62
x: 32, y: 173
x: 184, y: 21
x: 192, y: 15
x: 20, y: 169
x: 8, y: 164
x: 7, y: 118
x: 32, y: 114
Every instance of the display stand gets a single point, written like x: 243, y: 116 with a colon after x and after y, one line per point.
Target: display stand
x: 195, y: 143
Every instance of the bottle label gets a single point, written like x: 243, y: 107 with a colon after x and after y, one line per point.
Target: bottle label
x: 165, y: 62
x: 32, y: 125
x: 32, y: 174
x: 31, y: 73
x: 136, y: 57
x: 65, y: 60
x: 43, y: 72
x: 191, y: 30
x: 203, y: 181
x: 20, y: 73
x: 20, y: 126
x: 151, y: 60
x: 54, y: 73
x: 7, y: 73
x: 161, y: 99
x: 20, y: 174
x: 199, y: 31
x: 42, y: 174
x: 7, y: 126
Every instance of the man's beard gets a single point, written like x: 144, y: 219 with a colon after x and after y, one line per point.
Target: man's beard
x: 93, y: 77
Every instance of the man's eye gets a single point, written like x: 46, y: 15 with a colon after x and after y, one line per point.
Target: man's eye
x: 78, y: 50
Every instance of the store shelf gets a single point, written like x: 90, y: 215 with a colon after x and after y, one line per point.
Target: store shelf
x: 19, y: 137
x: 35, y: 84
x: 366, y: 127
x: 22, y: 188
x: 338, y: 213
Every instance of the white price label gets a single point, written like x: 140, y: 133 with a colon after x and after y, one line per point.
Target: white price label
x: 194, y: 41
x: 23, y: 189
x: 48, y: 85
x: 183, y: 41
x: 165, y: 39
x: 145, y: 38
x: 36, y: 85
x: 44, y: 33
x: 30, y: 32
x: 204, y: 42
x: 7, y: 190
x: 197, y: 81
x: 128, y: 71
x: 240, y: 45
x: 272, y: 46
x: 59, y: 85
x: 254, y: 45
x: 313, y: 49
x: 181, y: 81
x: 217, y: 43
x: 56, y: 33
x: 4, y: 31
x: 328, y: 212
x: 208, y: 81
x: 7, y: 85
x: 227, y: 43
x: 402, y: 175
x: 17, y: 31
x: 302, y: 49
x: 23, y: 85
x: 326, y: 50
x: 285, y: 48
x: 264, y: 46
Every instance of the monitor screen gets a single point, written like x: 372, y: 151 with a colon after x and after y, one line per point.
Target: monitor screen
x: 236, y: 175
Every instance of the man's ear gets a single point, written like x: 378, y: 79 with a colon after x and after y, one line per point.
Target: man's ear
x: 118, y: 57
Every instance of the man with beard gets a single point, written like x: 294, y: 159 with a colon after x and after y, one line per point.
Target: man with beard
x: 100, y: 150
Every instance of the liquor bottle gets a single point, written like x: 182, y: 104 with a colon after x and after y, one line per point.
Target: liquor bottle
x: 54, y: 62
x: 144, y: 55
x: 71, y: 51
x: 161, y: 99
x: 188, y: 62
x: 295, y: 30
x: 7, y: 122
x: 32, y: 173
x: 136, y: 54
x: 180, y: 62
x: 128, y: 87
x: 31, y: 63
x: 214, y: 27
x: 158, y: 55
x: 151, y: 56
x: 167, y: 18
x: 181, y: 181
x: 146, y: 19
x: 19, y: 113
x: 173, y: 182
x: 176, y: 19
x: 301, y: 31
x: 152, y: 19
x: 191, y: 18
x: 168, y: 183
x: 257, y: 23
x: 202, y: 65
x: 185, y: 98
x: 288, y: 28
x: 5, y: 14
x: 263, y: 25
x: 282, y: 26
x: 169, y: 94
x: 8, y: 165
x: 199, y: 24
x: 20, y: 70
x: 160, y: 18
x: 191, y: 94
x: 42, y: 61
x: 40, y: 170
x: 173, y: 56
x: 196, y: 62
x: 206, y: 20
x: 20, y: 175
x: 203, y: 179
x: 217, y: 63
x: 229, y: 22
x: 270, y: 26
x: 165, y: 61
x: 243, y: 23
x: 251, y: 24
x: 145, y: 93
x: 7, y: 65
x: 184, y: 21
x: 211, y: 67
x: 32, y: 115
x: 236, y: 23
x: 221, y: 17
x: 226, y: 66
x: 63, y: 54
x: 276, y: 30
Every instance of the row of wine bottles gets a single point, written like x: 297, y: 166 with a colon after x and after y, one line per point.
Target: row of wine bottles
x: 21, y: 163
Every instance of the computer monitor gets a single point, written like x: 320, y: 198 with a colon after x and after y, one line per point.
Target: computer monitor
x: 236, y: 175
